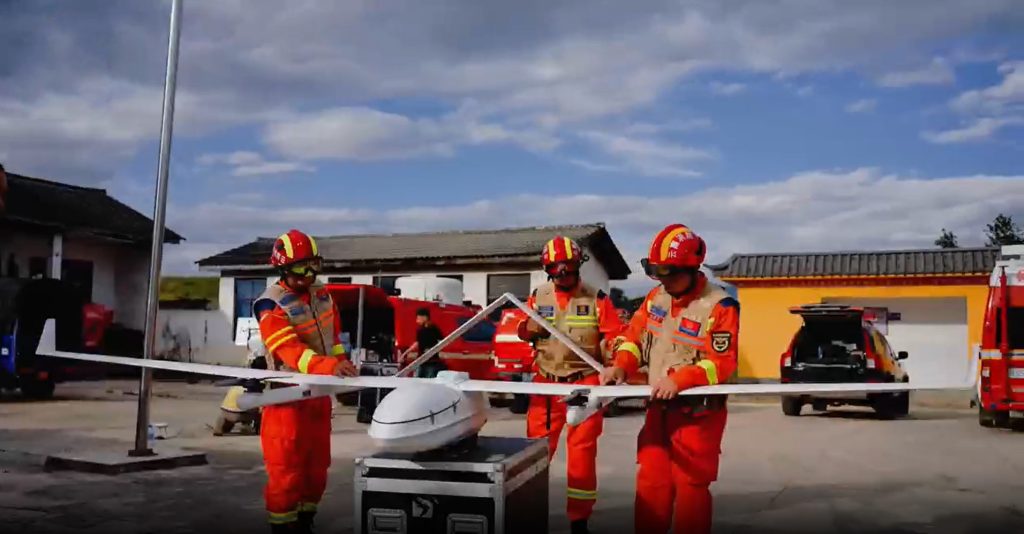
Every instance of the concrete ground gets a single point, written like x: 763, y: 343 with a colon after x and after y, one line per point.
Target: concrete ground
x: 937, y: 471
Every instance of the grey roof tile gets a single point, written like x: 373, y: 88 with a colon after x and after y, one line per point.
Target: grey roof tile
x: 859, y: 263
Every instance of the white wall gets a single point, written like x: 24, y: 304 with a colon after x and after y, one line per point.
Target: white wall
x: 131, y: 284
x: 594, y: 273
x: 197, y: 336
x: 226, y: 299
x: 120, y: 274
x: 24, y: 246
x: 102, y: 258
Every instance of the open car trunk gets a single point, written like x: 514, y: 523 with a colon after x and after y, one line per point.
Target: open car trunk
x: 829, y: 347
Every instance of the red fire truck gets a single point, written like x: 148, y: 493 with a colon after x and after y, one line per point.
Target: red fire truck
x: 389, y: 327
x: 1001, y: 385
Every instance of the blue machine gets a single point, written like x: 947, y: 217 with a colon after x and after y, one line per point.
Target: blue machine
x: 7, y: 354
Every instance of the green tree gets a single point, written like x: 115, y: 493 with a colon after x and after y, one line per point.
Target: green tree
x: 1003, y: 231
x: 946, y: 240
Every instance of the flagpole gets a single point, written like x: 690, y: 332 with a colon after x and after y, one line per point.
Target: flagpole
x: 159, y: 210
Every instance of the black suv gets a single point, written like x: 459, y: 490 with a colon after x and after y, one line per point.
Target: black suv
x: 836, y: 344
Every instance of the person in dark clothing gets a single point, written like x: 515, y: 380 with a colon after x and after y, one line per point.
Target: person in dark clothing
x: 427, y: 335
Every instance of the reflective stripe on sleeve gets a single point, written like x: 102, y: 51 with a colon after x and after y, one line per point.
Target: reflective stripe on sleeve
x: 710, y: 370
x: 305, y: 359
x: 338, y: 350
x: 582, y: 495
x: 272, y: 338
x: 282, y: 341
x: 631, y: 348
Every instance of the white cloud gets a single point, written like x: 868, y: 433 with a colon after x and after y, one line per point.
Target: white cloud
x: 365, y: 134
x: 727, y: 89
x: 246, y: 163
x: 805, y: 91
x: 685, y: 125
x: 864, y: 105
x: 647, y: 156
x: 988, y: 110
x: 937, y: 72
x: 1008, y: 95
x: 812, y: 211
x: 979, y: 130
x: 535, y: 66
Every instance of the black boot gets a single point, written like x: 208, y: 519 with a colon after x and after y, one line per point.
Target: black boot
x: 283, y: 528
x: 305, y: 524
x: 579, y: 527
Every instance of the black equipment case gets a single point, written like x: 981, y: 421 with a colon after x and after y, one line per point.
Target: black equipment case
x: 496, y: 485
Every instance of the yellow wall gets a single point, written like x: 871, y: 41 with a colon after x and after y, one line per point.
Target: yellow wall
x: 766, y: 326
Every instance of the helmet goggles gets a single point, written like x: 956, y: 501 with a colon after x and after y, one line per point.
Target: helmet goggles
x: 311, y: 267
x: 661, y: 270
x: 562, y: 269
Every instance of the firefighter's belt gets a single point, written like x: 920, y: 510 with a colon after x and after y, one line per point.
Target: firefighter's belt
x: 578, y: 375
x: 694, y: 405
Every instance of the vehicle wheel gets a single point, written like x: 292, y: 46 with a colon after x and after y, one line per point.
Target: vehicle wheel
x: 902, y: 404
x: 37, y: 389
x: 890, y: 407
x: 986, y: 418
x: 364, y: 415
x: 520, y: 404
x: 349, y: 399
x: 791, y: 406
x: 819, y: 406
x: 1016, y: 425
x: 613, y: 409
x: 500, y: 401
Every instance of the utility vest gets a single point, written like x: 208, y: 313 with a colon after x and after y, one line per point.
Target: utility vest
x: 313, y: 322
x: 579, y: 321
x: 670, y: 342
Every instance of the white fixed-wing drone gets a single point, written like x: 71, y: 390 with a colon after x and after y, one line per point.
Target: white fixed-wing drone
x: 423, y: 414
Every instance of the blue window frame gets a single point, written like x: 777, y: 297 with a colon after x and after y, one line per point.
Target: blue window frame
x: 247, y: 290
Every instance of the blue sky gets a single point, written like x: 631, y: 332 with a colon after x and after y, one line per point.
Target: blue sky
x: 767, y: 126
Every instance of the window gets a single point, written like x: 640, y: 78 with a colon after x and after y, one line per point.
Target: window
x: 387, y: 283
x: 339, y: 279
x: 247, y: 290
x: 482, y: 332
x: 499, y: 284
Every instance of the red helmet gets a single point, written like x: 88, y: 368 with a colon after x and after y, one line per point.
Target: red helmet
x: 676, y: 247
x: 294, y: 247
x: 560, y: 249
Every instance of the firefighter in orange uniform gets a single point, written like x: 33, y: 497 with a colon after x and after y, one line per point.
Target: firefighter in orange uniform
x: 686, y: 333
x: 588, y: 317
x: 301, y: 329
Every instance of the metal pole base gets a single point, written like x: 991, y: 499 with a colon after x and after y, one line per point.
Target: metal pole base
x: 136, y: 453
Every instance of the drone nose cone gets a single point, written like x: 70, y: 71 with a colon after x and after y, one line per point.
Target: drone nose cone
x: 415, y: 402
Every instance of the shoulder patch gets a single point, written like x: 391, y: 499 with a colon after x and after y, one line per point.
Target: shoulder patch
x: 729, y: 302
x: 721, y: 341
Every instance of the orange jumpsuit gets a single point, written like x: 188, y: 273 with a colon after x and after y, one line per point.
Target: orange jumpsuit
x: 678, y: 449
x: 296, y: 437
x: 546, y: 417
